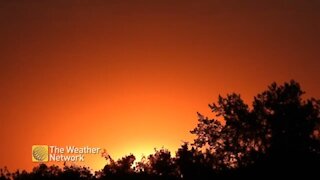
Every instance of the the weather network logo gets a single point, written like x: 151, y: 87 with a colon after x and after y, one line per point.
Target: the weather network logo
x: 50, y: 153
x: 40, y: 153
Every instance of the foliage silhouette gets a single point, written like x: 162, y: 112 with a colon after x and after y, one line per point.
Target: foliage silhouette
x: 278, y: 136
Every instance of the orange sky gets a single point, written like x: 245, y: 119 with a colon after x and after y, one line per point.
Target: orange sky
x: 130, y: 76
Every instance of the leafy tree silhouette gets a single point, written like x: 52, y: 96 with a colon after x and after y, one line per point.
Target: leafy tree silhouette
x: 291, y: 123
x: 194, y: 164
x: 4, y: 174
x: 161, y: 163
x: 43, y: 172
x: 278, y: 135
x: 231, y: 143
x: 121, y: 166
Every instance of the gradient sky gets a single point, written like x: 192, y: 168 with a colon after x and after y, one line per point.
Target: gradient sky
x: 129, y: 76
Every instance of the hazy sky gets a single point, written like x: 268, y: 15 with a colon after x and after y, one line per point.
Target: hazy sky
x: 129, y: 76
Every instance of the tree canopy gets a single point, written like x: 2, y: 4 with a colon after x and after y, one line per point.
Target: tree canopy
x: 279, y: 131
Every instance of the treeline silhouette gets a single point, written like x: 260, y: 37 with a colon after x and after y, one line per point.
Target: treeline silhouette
x: 277, y: 137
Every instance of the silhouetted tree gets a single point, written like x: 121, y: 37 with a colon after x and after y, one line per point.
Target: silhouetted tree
x: 193, y: 163
x: 234, y: 138
x: 291, y: 123
x: 121, y: 166
x: 161, y: 163
x: 4, y: 174
x: 76, y: 172
x: 279, y: 131
x: 44, y: 172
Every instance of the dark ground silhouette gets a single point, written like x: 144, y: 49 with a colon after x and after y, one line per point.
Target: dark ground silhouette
x: 279, y: 136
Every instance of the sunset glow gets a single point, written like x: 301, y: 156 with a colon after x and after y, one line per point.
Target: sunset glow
x: 130, y: 76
